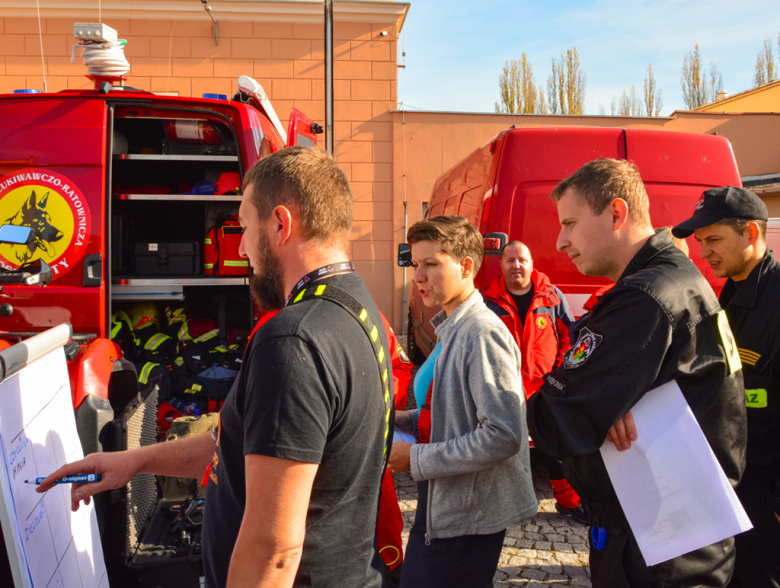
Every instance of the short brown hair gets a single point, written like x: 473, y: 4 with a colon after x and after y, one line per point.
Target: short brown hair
x: 454, y: 234
x: 740, y: 224
x: 308, y: 181
x: 604, y: 180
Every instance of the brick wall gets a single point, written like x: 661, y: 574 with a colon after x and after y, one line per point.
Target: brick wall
x: 288, y: 60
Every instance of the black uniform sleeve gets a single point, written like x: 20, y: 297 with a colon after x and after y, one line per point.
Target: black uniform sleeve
x: 287, y: 407
x: 614, y: 360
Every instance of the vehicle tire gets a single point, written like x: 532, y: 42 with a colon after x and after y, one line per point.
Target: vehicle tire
x: 416, y: 356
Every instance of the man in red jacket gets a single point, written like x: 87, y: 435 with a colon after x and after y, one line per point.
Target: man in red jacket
x: 538, y: 316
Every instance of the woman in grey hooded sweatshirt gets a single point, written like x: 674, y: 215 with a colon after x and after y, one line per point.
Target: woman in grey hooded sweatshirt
x: 471, y: 463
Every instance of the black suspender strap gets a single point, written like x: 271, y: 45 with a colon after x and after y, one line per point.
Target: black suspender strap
x: 349, y: 303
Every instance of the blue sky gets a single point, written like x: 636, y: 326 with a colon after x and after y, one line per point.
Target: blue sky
x: 455, y: 49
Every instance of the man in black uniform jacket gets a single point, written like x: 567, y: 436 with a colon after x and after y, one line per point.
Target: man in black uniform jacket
x: 298, y: 459
x: 730, y: 224
x: 658, y: 323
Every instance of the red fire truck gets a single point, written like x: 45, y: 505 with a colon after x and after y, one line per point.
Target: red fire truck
x: 119, y: 188
x: 503, y: 188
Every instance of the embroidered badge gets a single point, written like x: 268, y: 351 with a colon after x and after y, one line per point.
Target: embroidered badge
x: 541, y: 322
x: 401, y: 354
x: 700, y: 203
x: 582, y: 349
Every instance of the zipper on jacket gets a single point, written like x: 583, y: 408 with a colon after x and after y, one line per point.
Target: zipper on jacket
x: 427, y: 539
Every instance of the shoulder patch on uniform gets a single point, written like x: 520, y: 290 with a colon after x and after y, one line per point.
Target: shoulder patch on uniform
x: 582, y: 349
x: 541, y: 322
x: 401, y: 354
x: 555, y: 383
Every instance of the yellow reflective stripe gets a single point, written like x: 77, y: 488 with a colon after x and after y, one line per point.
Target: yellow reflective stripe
x: 207, y: 241
x: 298, y: 298
x: 179, y: 361
x: 207, y: 335
x: 320, y: 289
x: 194, y: 390
x: 184, y: 331
x: 115, y: 330
x: 236, y: 263
x: 384, y: 375
x: 381, y: 355
x: 363, y: 315
x: 374, y: 334
x: 155, y: 341
x: 145, y: 371
x: 387, y: 394
x: 387, y: 416
x: 756, y: 398
x: 208, y: 265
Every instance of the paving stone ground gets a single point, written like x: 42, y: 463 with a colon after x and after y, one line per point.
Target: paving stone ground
x: 548, y: 550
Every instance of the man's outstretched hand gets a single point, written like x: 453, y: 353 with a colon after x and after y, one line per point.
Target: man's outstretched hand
x: 623, y: 432
x: 115, y: 469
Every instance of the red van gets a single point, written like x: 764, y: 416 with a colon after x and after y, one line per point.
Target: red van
x: 503, y: 188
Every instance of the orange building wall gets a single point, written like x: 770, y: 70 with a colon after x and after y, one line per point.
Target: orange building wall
x: 287, y: 59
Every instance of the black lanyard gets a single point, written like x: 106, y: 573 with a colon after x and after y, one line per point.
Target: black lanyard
x: 334, y: 268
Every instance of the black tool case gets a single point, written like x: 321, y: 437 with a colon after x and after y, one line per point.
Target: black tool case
x: 170, y: 259
x: 163, y: 556
x: 144, y: 549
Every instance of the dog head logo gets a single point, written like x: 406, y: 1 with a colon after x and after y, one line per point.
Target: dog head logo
x: 45, y: 235
x: 54, y: 208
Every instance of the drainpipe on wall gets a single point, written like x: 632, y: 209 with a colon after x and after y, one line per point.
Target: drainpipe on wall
x: 329, y: 76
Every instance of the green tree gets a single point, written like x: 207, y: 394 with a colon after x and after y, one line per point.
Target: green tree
x: 697, y: 88
x: 519, y: 93
x: 653, y: 100
x: 566, y: 84
x: 765, y: 64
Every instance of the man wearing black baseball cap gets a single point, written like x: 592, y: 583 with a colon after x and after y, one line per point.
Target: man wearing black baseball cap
x: 730, y: 225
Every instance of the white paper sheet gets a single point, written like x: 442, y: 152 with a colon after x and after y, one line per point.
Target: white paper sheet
x: 37, y: 436
x: 399, y: 435
x: 671, y: 487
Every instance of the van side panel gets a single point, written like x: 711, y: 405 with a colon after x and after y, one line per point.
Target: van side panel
x: 62, y: 138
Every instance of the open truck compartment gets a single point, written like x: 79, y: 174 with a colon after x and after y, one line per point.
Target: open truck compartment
x: 128, y: 186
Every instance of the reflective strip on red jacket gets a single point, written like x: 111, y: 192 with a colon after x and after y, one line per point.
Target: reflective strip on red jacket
x: 545, y: 338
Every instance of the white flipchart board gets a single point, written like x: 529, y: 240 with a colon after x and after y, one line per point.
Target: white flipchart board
x: 48, y: 545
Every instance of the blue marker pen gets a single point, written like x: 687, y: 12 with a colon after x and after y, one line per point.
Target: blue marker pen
x: 80, y: 479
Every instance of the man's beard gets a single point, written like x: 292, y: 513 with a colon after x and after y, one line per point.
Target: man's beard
x: 267, y: 284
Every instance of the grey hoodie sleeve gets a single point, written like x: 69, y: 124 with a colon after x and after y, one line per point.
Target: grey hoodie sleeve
x: 490, y: 375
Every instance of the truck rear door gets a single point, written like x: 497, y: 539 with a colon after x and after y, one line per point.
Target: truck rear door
x: 52, y: 178
x: 676, y: 168
x: 532, y: 163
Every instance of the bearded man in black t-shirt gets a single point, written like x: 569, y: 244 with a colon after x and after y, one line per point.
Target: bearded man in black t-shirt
x: 297, y: 461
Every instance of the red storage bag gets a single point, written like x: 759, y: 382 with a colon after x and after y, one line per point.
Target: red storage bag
x: 220, y: 250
